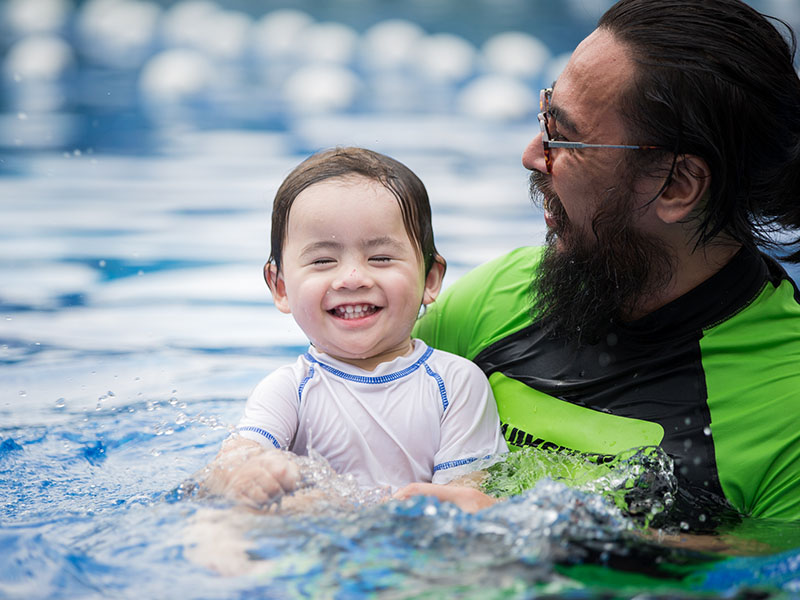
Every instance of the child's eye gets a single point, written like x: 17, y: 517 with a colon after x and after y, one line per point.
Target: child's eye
x: 381, y: 259
x: 321, y: 262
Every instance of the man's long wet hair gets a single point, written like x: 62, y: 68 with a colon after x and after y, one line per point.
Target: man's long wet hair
x: 716, y: 79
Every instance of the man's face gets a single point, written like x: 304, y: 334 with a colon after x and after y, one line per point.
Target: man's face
x: 603, y: 252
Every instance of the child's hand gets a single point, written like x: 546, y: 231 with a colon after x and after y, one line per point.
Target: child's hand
x: 466, y: 498
x: 247, y: 473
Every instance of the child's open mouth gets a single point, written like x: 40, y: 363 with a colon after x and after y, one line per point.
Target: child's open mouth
x: 354, y: 311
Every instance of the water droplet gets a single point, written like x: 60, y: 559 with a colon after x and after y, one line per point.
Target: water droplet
x: 706, y: 430
x: 60, y: 403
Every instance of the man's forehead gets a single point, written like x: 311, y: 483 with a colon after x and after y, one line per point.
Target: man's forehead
x: 598, y: 70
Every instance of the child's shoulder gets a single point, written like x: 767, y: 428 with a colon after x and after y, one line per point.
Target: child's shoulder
x: 286, y: 374
x: 452, y: 361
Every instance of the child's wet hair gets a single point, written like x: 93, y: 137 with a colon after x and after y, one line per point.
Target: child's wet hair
x: 347, y: 162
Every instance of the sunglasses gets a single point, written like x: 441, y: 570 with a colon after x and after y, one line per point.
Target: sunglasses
x: 548, y: 144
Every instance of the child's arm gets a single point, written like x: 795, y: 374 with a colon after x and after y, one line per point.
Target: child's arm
x: 246, y: 472
x: 470, y: 427
x: 464, y: 494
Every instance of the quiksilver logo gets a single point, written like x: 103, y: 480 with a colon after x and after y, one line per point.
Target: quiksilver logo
x: 518, y: 437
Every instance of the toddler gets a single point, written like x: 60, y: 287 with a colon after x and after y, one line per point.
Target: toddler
x: 353, y: 260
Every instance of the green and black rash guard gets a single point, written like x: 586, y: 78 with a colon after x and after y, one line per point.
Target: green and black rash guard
x: 713, y: 377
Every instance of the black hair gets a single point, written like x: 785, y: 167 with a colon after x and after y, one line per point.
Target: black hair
x: 342, y: 162
x: 716, y: 79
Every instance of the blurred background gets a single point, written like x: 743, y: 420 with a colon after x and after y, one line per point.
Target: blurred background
x: 125, y: 75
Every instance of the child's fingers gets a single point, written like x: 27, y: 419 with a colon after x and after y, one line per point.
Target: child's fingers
x: 285, y: 472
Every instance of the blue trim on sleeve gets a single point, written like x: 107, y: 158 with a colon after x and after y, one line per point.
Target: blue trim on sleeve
x: 440, y: 383
x: 453, y: 463
x: 303, y: 383
x: 372, y: 380
x: 263, y: 432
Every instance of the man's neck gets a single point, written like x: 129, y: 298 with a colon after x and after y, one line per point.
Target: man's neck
x: 691, y: 268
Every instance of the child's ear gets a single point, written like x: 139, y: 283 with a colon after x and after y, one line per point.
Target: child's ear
x: 277, y: 286
x: 433, y: 280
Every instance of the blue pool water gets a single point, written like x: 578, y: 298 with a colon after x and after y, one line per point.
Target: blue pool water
x: 134, y: 220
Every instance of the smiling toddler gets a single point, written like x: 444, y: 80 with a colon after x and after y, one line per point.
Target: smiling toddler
x: 353, y: 260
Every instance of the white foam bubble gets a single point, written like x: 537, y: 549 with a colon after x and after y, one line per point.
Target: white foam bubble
x: 515, y: 54
x: 498, y: 97
x: 118, y: 33
x: 321, y: 88
x: 36, y: 16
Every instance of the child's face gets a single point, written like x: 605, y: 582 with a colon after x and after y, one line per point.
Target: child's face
x: 351, y: 277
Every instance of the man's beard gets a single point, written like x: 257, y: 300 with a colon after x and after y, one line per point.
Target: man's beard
x: 590, y: 280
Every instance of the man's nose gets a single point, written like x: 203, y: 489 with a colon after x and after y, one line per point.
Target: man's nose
x: 533, y: 155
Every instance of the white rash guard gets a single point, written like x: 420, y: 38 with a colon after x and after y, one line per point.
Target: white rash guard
x: 416, y: 418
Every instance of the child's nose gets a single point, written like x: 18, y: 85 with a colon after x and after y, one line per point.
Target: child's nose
x: 352, y: 277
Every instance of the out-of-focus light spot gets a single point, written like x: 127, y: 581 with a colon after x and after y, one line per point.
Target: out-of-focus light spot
x: 175, y: 76
x: 118, y: 33
x: 184, y: 24
x: 36, y: 16
x: 321, y: 88
x: 497, y: 97
x: 328, y: 43
x: 276, y: 34
x: 391, y: 44
x: 515, y: 54
x: 446, y: 58
x: 39, y: 57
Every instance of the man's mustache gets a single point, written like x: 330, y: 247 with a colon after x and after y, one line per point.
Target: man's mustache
x: 543, y: 196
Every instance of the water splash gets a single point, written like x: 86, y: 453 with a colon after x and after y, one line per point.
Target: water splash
x: 640, y: 482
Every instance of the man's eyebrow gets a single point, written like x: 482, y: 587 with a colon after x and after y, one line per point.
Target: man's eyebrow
x: 562, y: 118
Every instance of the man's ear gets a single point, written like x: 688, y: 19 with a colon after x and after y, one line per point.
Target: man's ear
x: 433, y: 280
x: 277, y: 286
x: 691, y: 179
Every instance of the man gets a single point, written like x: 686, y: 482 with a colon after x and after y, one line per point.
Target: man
x: 651, y: 317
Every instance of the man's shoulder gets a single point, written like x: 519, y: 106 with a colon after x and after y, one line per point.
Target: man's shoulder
x: 487, y: 303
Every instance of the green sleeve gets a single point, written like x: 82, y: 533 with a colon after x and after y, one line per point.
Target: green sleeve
x: 485, y: 305
x: 752, y: 365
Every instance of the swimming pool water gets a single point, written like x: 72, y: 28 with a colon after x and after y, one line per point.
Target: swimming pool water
x: 134, y: 322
